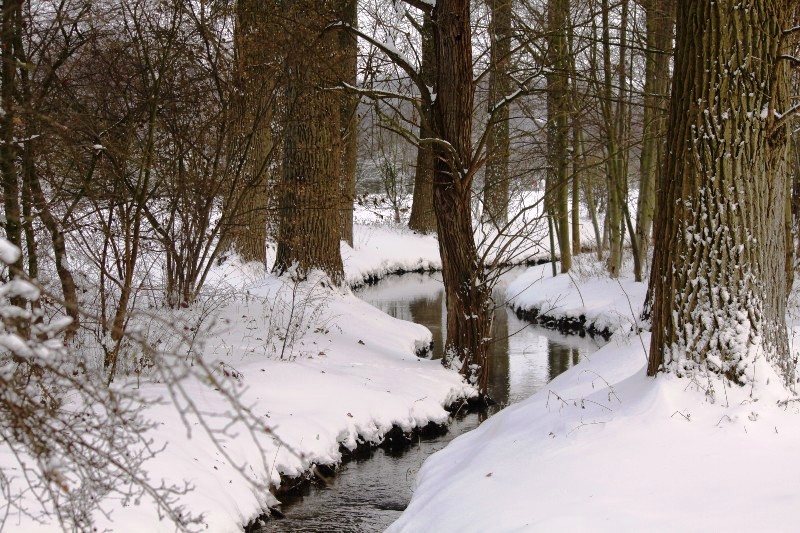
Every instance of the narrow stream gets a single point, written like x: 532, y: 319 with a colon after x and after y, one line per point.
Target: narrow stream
x: 369, y: 494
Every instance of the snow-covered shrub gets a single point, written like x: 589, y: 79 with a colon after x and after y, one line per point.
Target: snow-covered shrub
x: 67, y: 439
x: 73, y: 445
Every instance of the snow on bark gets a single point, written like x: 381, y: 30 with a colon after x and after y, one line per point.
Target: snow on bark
x: 719, y: 280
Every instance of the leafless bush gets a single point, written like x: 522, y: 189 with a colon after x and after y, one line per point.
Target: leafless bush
x: 71, y: 442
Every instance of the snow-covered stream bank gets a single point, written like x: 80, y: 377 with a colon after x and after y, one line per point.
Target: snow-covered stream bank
x: 603, y: 447
x: 318, y: 368
x: 369, y: 493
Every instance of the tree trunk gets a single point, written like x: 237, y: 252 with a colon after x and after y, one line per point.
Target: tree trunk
x: 614, y: 163
x: 495, y: 189
x: 68, y: 287
x: 247, y: 202
x: 308, y: 235
x: 658, y: 23
x: 558, y: 125
x: 349, y: 120
x: 466, y: 293
x: 8, y: 143
x: 422, y: 217
x: 718, y: 274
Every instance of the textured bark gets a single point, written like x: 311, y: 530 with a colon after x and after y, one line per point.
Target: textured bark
x: 422, y: 217
x: 558, y: 109
x: 349, y: 120
x: 495, y: 190
x: 248, y: 200
x: 308, y: 236
x: 658, y: 23
x: 718, y: 278
x: 466, y: 293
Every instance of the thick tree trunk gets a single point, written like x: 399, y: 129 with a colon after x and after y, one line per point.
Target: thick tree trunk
x: 247, y: 201
x: 308, y: 236
x: 496, y: 184
x: 718, y: 275
x: 349, y: 120
x: 422, y: 217
x: 467, y: 294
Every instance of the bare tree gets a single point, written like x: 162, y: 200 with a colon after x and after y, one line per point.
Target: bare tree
x: 558, y: 127
x: 659, y: 25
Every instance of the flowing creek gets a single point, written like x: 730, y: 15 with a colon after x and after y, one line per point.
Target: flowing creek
x: 369, y: 493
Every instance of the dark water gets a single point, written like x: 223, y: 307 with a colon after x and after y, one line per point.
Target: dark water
x: 368, y: 494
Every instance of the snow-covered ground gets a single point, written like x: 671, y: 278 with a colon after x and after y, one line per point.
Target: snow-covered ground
x: 525, y: 238
x: 323, y: 369
x: 350, y: 378
x: 605, y: 448
x: 320, y: 366
x: 379, y: 250
x: 586, y: 294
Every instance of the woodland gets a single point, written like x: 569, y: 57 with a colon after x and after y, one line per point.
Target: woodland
x: 192, y: 190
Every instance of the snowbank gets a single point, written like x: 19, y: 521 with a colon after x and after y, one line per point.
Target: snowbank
x: 349, y: 378
x: 585, y: 301
x: 321, y: 367
x: 379, y: 250
x: 605, y: 448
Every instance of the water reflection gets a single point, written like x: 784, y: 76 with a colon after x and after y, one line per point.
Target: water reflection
x: 499, y: 362
x: 368, y: 495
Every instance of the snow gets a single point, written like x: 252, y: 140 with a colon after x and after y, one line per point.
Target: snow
x: 8, y: 252
x: 19, y: 287
x: 605, y: 303
x: 621, y: 452
x: 346, y: 386
x: 379, y: 250
x: 347, y: 374
x: 603, y: 447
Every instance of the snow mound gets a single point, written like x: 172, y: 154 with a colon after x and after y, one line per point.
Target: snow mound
x: 605, y: 448
x: 604, y: 304
x: 379, y: 250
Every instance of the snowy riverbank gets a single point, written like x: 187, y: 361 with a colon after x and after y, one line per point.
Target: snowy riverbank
x: 322, y: 368
x: 605, y: 448
x: 586, y: 299
x: 350, y: 378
